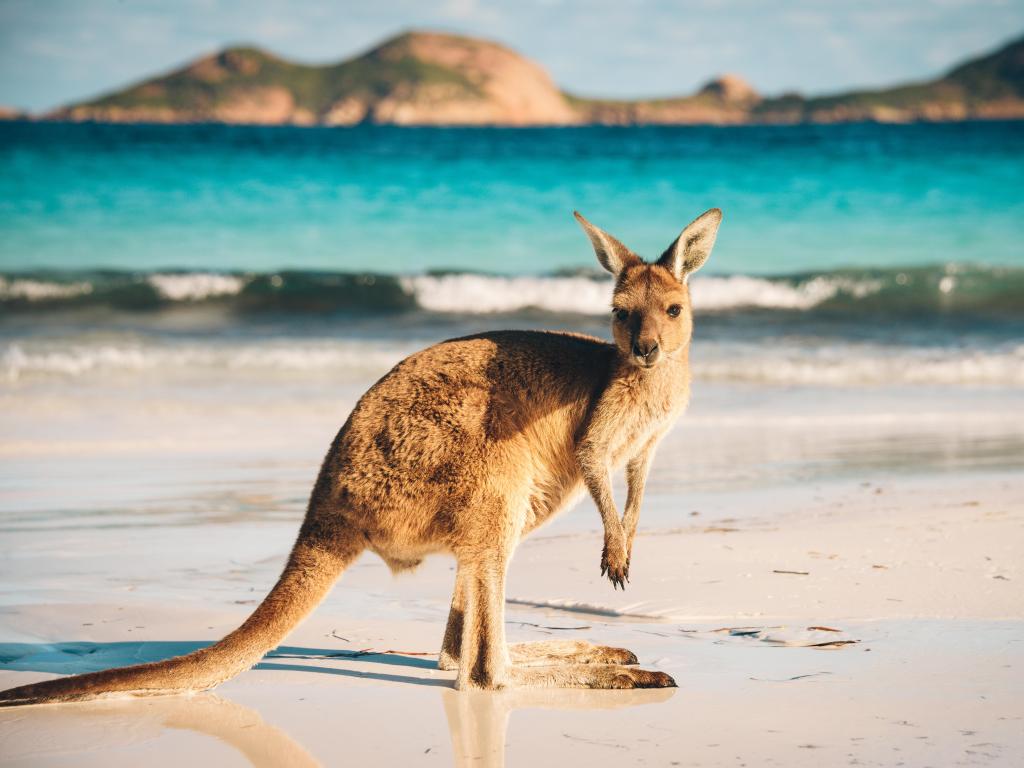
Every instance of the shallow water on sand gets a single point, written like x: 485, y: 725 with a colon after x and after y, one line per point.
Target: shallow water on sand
x: 195, y: 448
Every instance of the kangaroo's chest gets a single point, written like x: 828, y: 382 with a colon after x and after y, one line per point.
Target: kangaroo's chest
x: 648, y: 420
x: 645, y: 418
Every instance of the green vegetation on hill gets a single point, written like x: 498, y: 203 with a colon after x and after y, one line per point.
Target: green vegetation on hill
x: 991, y: 85
x: 997, y: 76
x: 413, y: 78
x: 217, y: 80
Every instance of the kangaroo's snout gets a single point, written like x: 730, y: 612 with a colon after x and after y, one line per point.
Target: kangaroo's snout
x: 646, y: 352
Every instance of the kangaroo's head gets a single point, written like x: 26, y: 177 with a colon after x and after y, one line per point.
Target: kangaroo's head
x: 651, y: 315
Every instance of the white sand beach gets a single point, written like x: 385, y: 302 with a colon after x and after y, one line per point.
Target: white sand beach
x: 833, y: 577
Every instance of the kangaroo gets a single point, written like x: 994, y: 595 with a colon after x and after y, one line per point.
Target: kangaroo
x: 464, y: 448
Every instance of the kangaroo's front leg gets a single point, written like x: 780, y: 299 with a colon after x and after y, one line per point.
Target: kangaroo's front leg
x: 593, y: 455
x: 636, y: 479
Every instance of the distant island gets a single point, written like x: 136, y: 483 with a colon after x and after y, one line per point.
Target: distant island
x: 431, y: 78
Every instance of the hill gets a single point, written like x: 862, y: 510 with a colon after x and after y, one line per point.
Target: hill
x: 430, y: 78
x: 989, y: 87
x: 415, y: 78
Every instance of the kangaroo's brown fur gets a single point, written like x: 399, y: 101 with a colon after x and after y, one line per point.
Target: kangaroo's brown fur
x: 464, y: 448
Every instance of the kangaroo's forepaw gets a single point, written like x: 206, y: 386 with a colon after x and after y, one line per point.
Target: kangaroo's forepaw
x: 615, y: 563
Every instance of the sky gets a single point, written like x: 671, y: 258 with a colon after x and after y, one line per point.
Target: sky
x: 53, y: 52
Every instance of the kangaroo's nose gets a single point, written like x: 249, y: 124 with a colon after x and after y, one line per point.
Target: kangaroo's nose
x: 646, y: 350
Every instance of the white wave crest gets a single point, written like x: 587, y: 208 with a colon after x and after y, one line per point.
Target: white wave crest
x: 38, y: 290
x: 483, y: 294
x: 719, y: 293
x: 195, y: 286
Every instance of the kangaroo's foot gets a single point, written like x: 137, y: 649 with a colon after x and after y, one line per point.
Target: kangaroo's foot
x: 447, y: 662
x: 547, y: 652
x: 589, y: 676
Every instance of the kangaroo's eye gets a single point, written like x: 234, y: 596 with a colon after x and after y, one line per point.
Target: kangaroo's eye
x: 674, y: 310
x: 621, y: 314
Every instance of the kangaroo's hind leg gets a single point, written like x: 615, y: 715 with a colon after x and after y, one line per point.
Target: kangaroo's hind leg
x: 451, y: 648
x: 539, y: 653
x: 483, y: 654
x: 484, y: 661
x: 589, y: 676
x: 547, y: 652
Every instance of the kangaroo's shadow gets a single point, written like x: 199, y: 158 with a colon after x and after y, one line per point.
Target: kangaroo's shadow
x: 74, y: 658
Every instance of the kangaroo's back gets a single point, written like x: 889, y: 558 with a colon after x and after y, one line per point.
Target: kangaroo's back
x: 503, y: 381
x: 449, y: 423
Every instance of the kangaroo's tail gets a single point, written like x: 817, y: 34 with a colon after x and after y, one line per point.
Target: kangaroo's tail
x: 312, y: 569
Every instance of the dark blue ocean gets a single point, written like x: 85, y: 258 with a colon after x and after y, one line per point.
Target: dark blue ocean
x: 854, y: 249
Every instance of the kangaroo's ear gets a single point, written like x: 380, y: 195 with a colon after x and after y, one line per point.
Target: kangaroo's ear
x: 692, y: 248
x: 612, y: 254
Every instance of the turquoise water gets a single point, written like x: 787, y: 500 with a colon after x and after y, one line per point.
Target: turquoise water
x: 807, y: 198
x: 853, y: 255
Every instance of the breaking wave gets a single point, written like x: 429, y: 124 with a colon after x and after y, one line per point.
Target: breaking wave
x: 946, y: 289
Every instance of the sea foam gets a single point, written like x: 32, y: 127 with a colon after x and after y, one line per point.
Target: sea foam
x: 195, y: 286
x: 784, y: 363
x: 31, y: 290
x: 946, y: 289
x: 480, y: 294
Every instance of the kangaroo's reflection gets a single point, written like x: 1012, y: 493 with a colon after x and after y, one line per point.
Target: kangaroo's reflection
x: 107, y: 724
x: 478, y: 720
x: 242, y: 728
